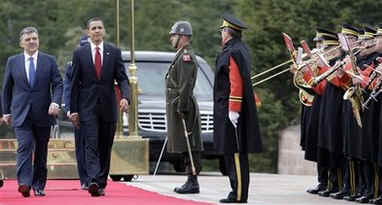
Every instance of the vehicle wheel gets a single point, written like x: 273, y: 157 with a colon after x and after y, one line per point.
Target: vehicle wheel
x: 128, y: 178
x: 179, y: 166
x: 116, y: 178
x: 222, y: 166
x: 1, y: 183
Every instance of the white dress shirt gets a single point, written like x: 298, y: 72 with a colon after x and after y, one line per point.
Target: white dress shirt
x: 27, y: 62
x: 93, y: 49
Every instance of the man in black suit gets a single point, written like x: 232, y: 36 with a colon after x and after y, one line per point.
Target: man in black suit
x: 32, y: 90
x: 93, y: 101
x: 78, y: 138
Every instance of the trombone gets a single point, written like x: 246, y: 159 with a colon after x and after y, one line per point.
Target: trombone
x: 269, y: 70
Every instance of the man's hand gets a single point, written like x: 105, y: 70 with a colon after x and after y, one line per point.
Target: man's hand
x: 53, y: 109
x: 233, y: 116
x: 75, y: 117
x: 124, y: 105
x: 7, y: 119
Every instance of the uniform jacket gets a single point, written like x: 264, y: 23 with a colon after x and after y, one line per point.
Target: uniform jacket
x: 248, y: 128
x: 20, y: 99
x: 180, y: 83
x: 88, y: 91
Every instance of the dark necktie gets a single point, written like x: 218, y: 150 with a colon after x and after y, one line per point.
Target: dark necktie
x: 32, y: 72
x: 98, y: 64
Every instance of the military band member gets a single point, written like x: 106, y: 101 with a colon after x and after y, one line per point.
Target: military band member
x: 368, y: 62
x: 236, y: 129
x: 312, y: 151
x: 181, y: 105
x: 329, y: 125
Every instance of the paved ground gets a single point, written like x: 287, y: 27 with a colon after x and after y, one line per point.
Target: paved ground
x: 265, y: 189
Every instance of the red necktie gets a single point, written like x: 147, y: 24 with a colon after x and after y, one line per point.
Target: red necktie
x: 98, y: 64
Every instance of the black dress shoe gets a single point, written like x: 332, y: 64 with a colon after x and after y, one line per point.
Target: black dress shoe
x: 363, y: 199
x: 101, y: 192
x: 24, y: 190
x: 327, y: 192
x: 93, y: 189
x: 38, y: 192
x: 229, y: 200
x: 352, y: 197
x: 339, y: 195
x: 84, y: 187
x: 316, y: 189
x: 377, y: 200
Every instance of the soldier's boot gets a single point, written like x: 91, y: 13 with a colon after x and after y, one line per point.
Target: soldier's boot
x: 190, y: 187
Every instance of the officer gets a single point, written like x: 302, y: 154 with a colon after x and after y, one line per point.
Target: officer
x: 236, y: 130
x: 181, y: 105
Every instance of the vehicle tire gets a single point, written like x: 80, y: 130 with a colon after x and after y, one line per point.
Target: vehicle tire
x: 116, y: 178
x: 179, y: 166
x: 128, y: 178
x: 222, y: 166
x: 1, y: 183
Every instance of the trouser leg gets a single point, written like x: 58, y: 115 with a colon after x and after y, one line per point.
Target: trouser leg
x: 26, y: 143
x: 106, y: 139
x: 40, y: 170
x: 80, y: 156
x: 238, y: 173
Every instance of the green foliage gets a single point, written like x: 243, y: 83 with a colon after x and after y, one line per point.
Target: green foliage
x: 61, y: 25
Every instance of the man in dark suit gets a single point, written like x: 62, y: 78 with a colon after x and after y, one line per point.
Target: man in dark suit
x: 93, y: 102
x: 32, y: 90
x: 78, y: 138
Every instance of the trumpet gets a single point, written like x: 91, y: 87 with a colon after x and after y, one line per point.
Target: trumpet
x: 270, y: 70
x: 320, y: 54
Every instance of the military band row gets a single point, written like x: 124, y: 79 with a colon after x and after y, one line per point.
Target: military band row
x: 340, y: 82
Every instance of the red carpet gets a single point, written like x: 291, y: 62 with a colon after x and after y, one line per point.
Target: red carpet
x: 66, y: 192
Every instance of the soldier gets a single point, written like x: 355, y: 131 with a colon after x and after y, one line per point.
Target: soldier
x: 311, y: 124
x: 181, y: 106
x: 236, y: 130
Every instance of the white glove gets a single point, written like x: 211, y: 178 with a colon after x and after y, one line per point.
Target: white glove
x: 233, y: 116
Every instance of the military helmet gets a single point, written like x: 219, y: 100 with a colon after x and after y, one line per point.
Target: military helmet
x: 181, y: 28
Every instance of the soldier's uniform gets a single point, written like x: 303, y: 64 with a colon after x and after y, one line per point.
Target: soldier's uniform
x: 329, y: 125
x: 181, y: 103
x: 233, y: 93
x: 311, y: 126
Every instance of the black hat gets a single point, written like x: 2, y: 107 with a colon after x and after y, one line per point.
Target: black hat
x: 369, y: 32
x: 232, y: 22
x: 379, y: 30
x: 330, y: 40
x: 349, y: 30
x: 320, y: 32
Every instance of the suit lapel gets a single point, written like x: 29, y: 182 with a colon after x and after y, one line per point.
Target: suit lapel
x: 106, y: 57
x: 40, y: 67
x: 21, y: 66
x: 88, y: 55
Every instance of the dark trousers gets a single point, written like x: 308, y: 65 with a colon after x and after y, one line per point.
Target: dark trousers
x: 99, y: 137
x: 236, y: 178
x: 368, y: 174
x: 32, y: 138
x: 80, y: 156
x: 196, y: 157
x: 322, y: 174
